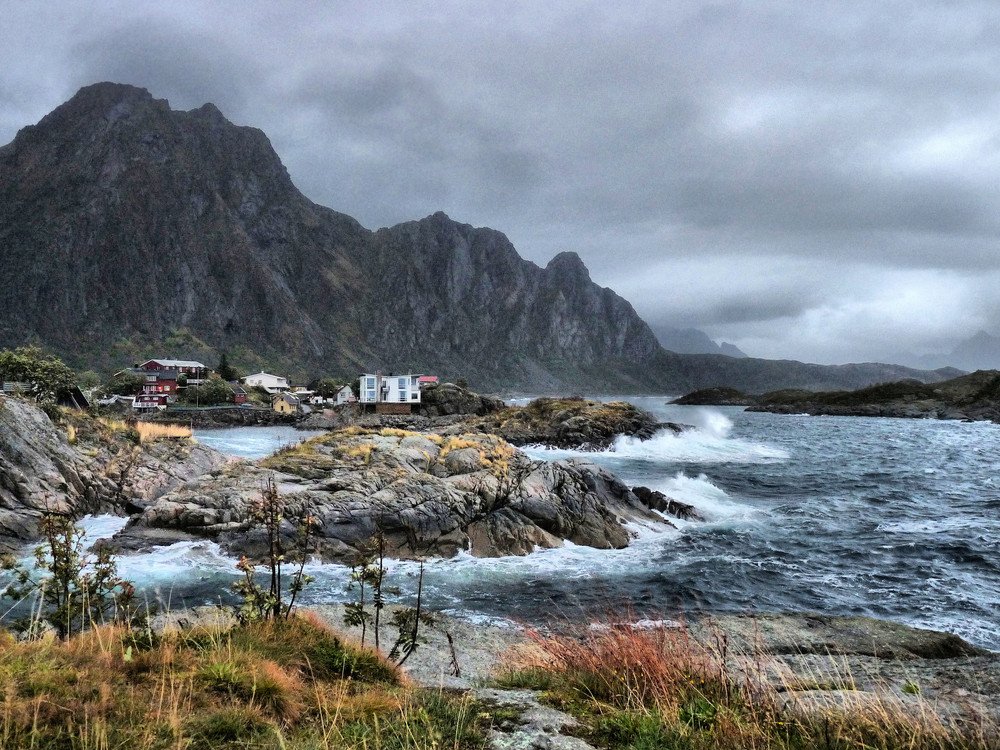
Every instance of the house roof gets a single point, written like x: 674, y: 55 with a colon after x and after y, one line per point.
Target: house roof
x: 168, y: 363
x: 266, y: 375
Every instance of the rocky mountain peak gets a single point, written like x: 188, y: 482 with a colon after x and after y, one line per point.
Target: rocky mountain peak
x: 568, y: 265
x: 131, y: 230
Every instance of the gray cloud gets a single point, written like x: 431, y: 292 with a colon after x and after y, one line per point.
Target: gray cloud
x: 777, y: 173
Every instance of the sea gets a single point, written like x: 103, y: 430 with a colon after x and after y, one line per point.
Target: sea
x: 890, y: 518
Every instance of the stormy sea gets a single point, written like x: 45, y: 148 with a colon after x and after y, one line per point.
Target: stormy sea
x: 897, y: 519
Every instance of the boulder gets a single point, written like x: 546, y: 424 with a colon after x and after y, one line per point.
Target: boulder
x: 655, y: 500
x: 570, y: 423
x: 445, y: 399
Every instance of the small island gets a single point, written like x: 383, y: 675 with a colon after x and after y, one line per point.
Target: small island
x: 972, y: 397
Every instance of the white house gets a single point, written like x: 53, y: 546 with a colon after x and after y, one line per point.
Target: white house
x: 394, y: 389
x: 270, y: 383
x: 345, y: 395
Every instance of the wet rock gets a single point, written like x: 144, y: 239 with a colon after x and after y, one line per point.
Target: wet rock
x: 655, y: 500
x: 431, y: 496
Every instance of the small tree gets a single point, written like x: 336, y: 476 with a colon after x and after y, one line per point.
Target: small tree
x: 260, y: 603
x: 369, y: 572
x: 210, y: 393
x: 88, y: 380
x: 48, y: 377
x: 75, y: 590
x: 326, y: 387
x: 227, y: 371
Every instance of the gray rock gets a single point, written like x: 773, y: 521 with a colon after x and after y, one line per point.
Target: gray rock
x: 431, y: 496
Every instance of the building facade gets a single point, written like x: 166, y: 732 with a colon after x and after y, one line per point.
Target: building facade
x: 270, y: 383
x: 394, y: 389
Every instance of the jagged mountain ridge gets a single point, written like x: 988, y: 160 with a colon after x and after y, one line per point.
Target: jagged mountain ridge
x: 124, y: 224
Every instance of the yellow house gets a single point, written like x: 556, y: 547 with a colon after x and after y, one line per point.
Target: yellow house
x: 285, y: 403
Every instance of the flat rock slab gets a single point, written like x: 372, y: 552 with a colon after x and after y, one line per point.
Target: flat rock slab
x: 538, y: 728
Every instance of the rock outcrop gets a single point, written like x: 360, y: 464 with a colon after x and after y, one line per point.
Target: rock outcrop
x: 446, y: 399
x: 716, y: 397
x: 82, y: 466
x: 975, y: 396
x: 969, y: 397
x: 570, y: 423
x: 430, y: 495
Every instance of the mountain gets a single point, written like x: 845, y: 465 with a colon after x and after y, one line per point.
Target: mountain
x: 978, y: 352
x: 692, y: 341
x: 128, y: 230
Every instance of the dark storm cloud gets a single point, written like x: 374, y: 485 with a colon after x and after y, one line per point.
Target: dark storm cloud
x: 800, y: 178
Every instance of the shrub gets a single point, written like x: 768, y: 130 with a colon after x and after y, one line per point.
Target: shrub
x: 260, y: 603
x: 71, y: 597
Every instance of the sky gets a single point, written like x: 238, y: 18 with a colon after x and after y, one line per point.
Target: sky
x: 816, y: 181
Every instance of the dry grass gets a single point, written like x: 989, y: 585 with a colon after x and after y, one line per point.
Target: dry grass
x: 658, y: 687
x: 290, y: 685
x: 395, y: 432
x: 148, y: 431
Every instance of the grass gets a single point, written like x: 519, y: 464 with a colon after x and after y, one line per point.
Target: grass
x: 295, y: 685
x: 659, y: 688
x: 150, y: 431
x: 147, y: 432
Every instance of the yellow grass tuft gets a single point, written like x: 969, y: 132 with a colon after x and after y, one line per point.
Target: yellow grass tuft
x: 150, y: 431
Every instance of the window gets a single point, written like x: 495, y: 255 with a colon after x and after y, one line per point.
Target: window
x: 369, y: 382
x: 414, y: 396
x: 402, y: 383
x: 370, y: 396
x: 402, y: 395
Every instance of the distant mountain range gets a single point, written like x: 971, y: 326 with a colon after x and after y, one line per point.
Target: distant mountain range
x: 978, y: 352
x: 130, y: 230
x: 693, y: 341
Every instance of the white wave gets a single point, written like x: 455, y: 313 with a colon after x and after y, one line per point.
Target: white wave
x: 180, y: 562
x: 698, y: 446
x: 709, y: 446
x: 100, y: 527
x: 710, y: 421
x: 708, y: 442
x: 710, y: 500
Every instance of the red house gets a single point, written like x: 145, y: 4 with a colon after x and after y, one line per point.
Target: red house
x: 150, y: 401
x: 160, y: 381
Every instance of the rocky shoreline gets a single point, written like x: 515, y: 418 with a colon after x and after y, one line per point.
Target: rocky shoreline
x: 451, y: 488
x: 971, y: 397
x: 429, y: 495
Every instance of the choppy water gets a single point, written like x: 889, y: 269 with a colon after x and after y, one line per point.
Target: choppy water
x: 891, y: 518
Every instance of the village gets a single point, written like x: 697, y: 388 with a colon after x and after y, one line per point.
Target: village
x: 161, y: 384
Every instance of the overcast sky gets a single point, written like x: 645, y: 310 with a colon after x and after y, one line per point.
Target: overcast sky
x: 808, y: 180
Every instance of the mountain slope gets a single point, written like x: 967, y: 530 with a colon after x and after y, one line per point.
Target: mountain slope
x: 128, y: 229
